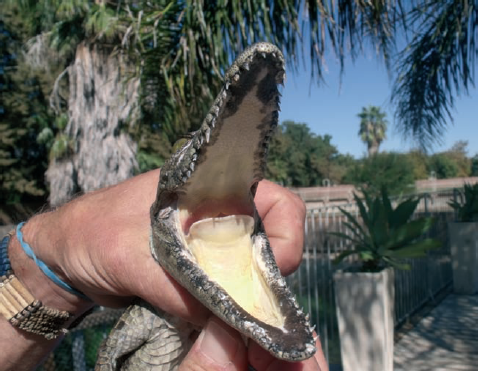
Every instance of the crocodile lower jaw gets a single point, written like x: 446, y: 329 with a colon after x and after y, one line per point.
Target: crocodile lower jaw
x: 223, y: 247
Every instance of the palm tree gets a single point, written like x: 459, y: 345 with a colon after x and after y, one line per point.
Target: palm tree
x: 373, y: 127
x: 135, y: 67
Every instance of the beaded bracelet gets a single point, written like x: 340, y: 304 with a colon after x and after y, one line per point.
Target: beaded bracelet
x: 19, y: 306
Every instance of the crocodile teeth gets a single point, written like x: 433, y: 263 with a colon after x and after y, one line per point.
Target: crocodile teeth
x: 188, y: 174
x: 208, y: 135
x: 246, y: 66
x: 274, y: 55
x: 312, y: 328
x: 184, y: 179
x: 236, y: 77
x: 213, y: 122
x: 307, y: 316
x: 227, y: 84
x: 310, y: 348
x: 192, y: 166
x: 263, y: 55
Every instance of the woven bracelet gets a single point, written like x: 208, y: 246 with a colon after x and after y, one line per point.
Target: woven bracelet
x: 21, y: 309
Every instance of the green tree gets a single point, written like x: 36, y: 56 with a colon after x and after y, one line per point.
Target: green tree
x: 419, y: 163
x: 443, y: 166
x: 474, y: 165
x: 391, y: 171
x: 373, y: 128
x: 25, y: 119
x: 451, y: 163
x: 300, y: 158
x: 458, y: 153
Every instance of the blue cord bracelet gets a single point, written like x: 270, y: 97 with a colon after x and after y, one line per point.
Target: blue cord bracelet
x: 47, y: 271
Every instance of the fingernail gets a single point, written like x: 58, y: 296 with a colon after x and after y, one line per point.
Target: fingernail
x: 217, y: 343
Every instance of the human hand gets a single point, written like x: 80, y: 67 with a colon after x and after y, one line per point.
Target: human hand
x: 219, y: 347
x: 99, y: 243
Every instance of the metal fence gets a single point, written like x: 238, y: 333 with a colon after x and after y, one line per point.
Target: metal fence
x: 312, y: 283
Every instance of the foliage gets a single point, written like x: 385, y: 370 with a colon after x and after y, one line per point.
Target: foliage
x: 458, y: 154
x: 387, y: 236
x: 419, y: 162
x: 153, y: 149
x: 384, y: 170
x: 438, y: 63
x: 451, y: 163
x: 298, y: 157
x: 24, y: 116
x: 443, y: 166
x: 467, y: 207
x: 474, y: 165
x: 181, y: 48
x: 373, y: 128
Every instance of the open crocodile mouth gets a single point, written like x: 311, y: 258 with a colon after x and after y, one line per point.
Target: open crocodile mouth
x: 206, y: 230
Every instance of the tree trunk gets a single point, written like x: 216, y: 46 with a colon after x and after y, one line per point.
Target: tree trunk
x: 102, y: 104
x: 372, y: 149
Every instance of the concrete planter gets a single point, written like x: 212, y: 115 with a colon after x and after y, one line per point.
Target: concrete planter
x: 365, y: 314
x: 464, y: 255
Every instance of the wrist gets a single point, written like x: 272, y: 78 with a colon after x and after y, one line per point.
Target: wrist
x: 36, y: 233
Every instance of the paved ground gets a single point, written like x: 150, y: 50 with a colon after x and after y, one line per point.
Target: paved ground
x: 445, y: 340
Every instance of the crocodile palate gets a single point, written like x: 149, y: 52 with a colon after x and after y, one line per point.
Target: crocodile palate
x: 206, y: 232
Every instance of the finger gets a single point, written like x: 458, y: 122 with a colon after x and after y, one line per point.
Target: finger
x: 262, y: 360
x: 218, y: 347
x: 283, y: 214
x: 319, y: 355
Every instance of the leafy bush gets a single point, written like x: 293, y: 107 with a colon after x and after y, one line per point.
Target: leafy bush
x: 390, y: 170
x: 387, y: 235
x: 467, y: 207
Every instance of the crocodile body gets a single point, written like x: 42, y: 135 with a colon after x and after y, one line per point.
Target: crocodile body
x: 206, y: 232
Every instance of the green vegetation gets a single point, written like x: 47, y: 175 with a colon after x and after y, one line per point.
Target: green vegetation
x: 298, y: 157
x: 373, y: 128
x: 436, y: 65
x: 25, y: 119
x: 387, y: 236
x: 383, y: 170
x: 467, y: 205
x: 178, y: 51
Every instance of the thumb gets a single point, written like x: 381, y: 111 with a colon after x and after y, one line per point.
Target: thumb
x: 218, y: 347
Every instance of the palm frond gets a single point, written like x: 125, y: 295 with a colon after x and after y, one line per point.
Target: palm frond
x: 438, y: 63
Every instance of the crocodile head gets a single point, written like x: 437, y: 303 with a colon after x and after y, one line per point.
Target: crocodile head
x: 206, y: 231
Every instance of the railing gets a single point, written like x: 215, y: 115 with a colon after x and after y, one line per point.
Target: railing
x: 313, y: 284
x: 313, y: 281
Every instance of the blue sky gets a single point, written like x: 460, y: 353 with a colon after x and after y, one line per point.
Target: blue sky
x: 332, y: 108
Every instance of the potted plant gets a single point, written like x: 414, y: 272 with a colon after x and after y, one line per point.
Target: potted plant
x: 364, y: 292
x: 464, y: 240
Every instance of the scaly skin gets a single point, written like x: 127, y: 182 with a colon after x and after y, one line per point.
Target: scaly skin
x: 215, y: 174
